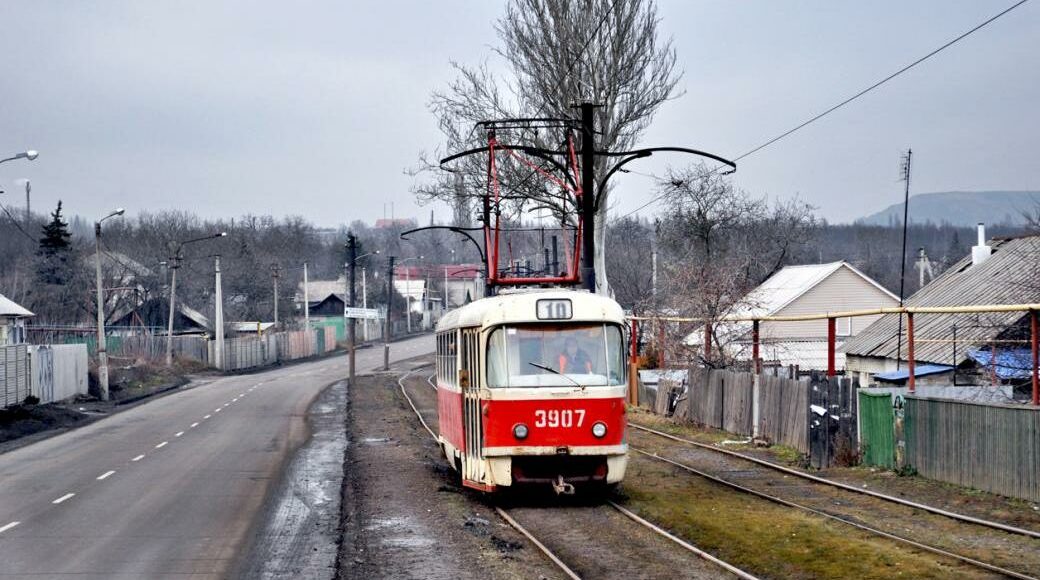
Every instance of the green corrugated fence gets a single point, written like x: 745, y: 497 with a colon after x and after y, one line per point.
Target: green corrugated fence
x: 877, y: 431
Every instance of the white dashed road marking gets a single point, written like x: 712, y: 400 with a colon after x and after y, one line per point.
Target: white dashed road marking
x: 63, y: 498
x: 8, y: 526
x: 138, y: 458
x: 178, y: 434
x: 218, y: 409
x: 207, y: 416
x: 193, y: 425
x: 105, y: 475
x: 161, y: 445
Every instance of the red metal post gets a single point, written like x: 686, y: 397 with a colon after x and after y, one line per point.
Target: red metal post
x: 910, y: 349
x: 831, y: 338
x: 754, y: 347
x: 1035, y: 335
x: 707, y: 340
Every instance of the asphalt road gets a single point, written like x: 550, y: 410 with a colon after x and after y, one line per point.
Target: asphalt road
x: 168, y: 489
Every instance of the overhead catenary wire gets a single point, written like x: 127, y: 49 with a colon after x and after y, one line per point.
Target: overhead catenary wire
x: 854, y: 97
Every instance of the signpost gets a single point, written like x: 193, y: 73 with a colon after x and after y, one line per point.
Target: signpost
x: 361, y: 313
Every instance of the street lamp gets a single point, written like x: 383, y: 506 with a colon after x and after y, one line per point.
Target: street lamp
x: 102, y: 343
x: 30, y: 155
x: 175, y: 264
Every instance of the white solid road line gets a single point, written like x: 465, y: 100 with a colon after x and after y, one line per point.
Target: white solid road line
x: 63, y: 498
x: 8, y: 526
x: 138, y: 458
x: 161, y: 445
x: 178, y: 434
x: 193, y: 425
x: 105, y: 475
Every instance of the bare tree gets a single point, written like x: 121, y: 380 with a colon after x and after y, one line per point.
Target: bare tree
x: 559, y: 53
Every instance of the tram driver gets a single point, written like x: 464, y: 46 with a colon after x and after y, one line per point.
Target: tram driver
x: 574, y: 359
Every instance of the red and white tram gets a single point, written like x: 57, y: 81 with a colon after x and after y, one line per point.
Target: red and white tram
x: 531, y: 389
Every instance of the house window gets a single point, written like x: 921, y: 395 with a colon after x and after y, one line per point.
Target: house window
x: 843, y: 326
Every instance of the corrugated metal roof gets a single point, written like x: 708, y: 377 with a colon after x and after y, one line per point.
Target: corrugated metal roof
x: 9, y: 307
x: 1010, y: 276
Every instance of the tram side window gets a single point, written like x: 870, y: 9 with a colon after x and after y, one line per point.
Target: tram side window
x: 555, y: 355
x: 446, y: 357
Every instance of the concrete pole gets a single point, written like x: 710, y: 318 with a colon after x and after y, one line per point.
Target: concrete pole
x: 306, y: 302
x: 352, y: 322
x: 274, y: 274
x: 102, y: 351
x: 364, y: 304
x: 218, y: 349
x: 174, y: 265
x: 446, y: 284
x: 408, y: 298
x: 389, y: 309
x: 28, y: 210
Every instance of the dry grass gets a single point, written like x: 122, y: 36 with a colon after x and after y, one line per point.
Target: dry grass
x: 771, y: 540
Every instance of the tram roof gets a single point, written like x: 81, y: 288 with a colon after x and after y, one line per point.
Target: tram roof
x: 520, y: 307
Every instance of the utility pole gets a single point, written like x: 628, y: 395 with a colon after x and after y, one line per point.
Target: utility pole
x: 408, y: 298
x: 28, y: 210
x: 275, y: 273
x: 902, y: 254
x: 175, y: 264
x: 218, y: 323
x: 306, y: 301
x: 588, y: 196
x: 102, y: 343
x: 389, y: 308
x: 446, y: 288
x: 364, y: 303
x: 352, y: 328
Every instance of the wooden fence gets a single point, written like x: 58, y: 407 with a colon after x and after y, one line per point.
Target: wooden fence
x: 815, y: 416
x: 990, y: 447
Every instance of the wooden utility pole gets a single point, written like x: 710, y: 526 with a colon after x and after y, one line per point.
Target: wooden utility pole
x: 902, y: 263
x: 351, y: 321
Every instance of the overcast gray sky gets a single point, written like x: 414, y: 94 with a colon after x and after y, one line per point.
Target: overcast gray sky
x: 316, y: 107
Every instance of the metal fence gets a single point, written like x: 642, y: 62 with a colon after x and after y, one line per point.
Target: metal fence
x: 14, y: 374
x: 58, y: 372
x: 995, y: 448
x: 247, y: 352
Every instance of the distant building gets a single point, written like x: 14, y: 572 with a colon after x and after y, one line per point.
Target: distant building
x: 986, y: 347
x: 808, y: 289
x: 386, y: 223
x: 12, y: 321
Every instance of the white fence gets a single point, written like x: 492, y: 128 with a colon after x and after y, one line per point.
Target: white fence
x: 57, y: 372
x: 14, y: 374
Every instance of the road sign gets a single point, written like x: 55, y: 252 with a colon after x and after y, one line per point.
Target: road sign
x: 364, y: 313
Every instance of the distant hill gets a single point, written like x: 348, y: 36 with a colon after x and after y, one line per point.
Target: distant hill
x: 960, y: 208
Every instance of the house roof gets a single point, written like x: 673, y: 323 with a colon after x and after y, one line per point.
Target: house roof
x: 790, y: 283
x: 1011, y: 275
x: 247, y: 326
x: 919, y: 371
x: 12, y: 309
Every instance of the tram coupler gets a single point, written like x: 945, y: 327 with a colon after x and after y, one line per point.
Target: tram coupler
x: 561, y: 487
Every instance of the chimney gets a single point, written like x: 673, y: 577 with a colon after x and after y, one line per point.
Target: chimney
x: 981, y: 252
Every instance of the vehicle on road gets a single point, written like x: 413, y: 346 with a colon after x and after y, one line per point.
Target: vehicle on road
x: 531, y: 390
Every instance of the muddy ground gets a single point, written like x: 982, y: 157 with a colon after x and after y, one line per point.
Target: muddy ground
x: 404, y: 514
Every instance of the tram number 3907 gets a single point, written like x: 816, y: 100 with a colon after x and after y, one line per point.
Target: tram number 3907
x: 553, y: 418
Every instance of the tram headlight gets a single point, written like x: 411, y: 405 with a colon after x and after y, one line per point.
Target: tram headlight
x: 520, y: 431
x: 599, y: 429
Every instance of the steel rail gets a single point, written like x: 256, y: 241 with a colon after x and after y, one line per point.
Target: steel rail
x: 845, y: 486
x: 649, y: 525
x: 882, y: 533
x: 502, y: 513
x: 688, y: 546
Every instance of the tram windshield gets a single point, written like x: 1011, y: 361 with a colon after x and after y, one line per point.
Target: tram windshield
x: 542, y: 355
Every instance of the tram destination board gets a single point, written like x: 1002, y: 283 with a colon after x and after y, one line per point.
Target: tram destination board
x: 554, y: 309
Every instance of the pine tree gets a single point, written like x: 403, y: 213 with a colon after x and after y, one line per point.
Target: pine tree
x: 55, y: 248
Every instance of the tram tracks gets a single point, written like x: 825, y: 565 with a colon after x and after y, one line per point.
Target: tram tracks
x: 568, y: 550
x: 854, y: 513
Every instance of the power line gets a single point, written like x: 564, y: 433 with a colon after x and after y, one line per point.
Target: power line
x: 854, y: 97
x: 18, y: 225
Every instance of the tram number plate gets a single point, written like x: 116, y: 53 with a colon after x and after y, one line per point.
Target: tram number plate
x: 554, y: 418
x: 559, y: 309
